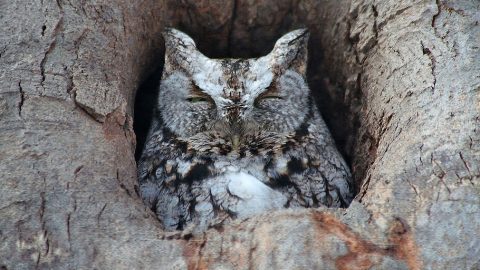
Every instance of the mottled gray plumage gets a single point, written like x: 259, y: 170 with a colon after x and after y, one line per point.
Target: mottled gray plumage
x: 236, y: 137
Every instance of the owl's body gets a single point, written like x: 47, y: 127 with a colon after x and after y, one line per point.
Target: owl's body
x: 238, y: 137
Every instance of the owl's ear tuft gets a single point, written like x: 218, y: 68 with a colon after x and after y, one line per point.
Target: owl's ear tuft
x: 174, y: 38
x: 291, y: 52
x: 180, y: 50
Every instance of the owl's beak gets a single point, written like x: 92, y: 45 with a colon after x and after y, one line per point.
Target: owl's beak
x: 235, y: 142
x: 233, y: 115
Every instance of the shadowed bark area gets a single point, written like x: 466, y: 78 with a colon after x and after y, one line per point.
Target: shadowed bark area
x: 397, y: 82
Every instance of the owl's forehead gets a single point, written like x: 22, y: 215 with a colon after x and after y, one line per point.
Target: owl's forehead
x: 234, y: 79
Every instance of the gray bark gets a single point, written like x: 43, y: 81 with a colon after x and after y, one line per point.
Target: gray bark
x: 404, y: 73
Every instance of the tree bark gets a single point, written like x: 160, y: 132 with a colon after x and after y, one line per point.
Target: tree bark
x: 397, y: 81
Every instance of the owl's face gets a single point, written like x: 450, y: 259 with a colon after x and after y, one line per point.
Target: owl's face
x: 233, y: 99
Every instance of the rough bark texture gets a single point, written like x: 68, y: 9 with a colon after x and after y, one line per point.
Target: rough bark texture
x: 396, y: 80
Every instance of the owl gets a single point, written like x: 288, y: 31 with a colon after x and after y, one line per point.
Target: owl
x: 233, y: 138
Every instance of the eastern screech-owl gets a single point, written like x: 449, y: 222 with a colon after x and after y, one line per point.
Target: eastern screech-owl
x: 233, y: 138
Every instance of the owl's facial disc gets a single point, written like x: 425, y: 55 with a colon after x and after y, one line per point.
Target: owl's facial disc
x: 234, y: 99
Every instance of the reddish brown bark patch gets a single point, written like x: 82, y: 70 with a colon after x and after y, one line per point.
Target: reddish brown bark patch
x: 193, y: 253
x: 363, y: 254
x: 404, y: 243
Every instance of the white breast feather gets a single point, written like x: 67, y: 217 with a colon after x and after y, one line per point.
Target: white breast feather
x: 256, y: 197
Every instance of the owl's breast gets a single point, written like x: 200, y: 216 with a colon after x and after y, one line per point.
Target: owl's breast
x: 247, y: 194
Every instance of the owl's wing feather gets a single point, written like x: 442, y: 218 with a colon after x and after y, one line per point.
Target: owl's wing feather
x: 154, y: 176
x: 325, y: 179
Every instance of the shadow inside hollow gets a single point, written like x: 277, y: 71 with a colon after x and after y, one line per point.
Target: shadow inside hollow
x: 145, y: 103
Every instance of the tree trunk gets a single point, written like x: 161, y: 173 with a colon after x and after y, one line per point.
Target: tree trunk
x: 397, y: 81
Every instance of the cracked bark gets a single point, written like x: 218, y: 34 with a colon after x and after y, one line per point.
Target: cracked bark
x: 403, y: 73
x: 22, y: 98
